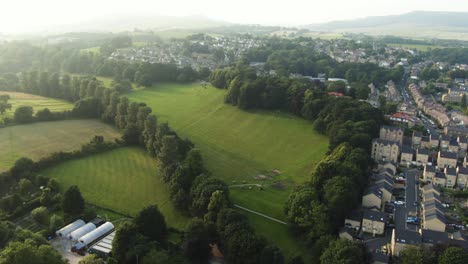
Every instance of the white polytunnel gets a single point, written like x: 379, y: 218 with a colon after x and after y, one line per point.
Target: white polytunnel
x: 97, y: 233
x: 65, y: 231
x: 75, y: 235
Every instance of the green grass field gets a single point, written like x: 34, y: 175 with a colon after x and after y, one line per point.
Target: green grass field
x: 123, y: 180
x: 35, y: 101
x: 415, y: 46
x: 241, y: 147
x: 40, y: 139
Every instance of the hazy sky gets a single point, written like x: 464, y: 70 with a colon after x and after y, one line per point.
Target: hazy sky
x: 27, y: 15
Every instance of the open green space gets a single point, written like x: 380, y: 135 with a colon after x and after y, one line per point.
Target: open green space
x: 240, y: 146
x: 419, y: 47
x: 123, y: 180
x: 279, y: 235
x: 35, y: 101
x: 43, y: 138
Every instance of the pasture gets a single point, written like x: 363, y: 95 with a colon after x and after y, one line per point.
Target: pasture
x: 122, y: 180
x: 240, y: 147
x: 40, y: 139
x: 35, y: 101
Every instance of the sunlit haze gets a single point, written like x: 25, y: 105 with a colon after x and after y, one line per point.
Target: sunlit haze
x: 31, y: 15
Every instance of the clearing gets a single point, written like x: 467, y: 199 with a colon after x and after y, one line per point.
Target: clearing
x: 40, y: 139
x: 37, y: 102
x: 123, y: 180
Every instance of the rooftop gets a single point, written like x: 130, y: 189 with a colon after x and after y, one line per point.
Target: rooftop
x: 375, y: 216
x: 434, y: 237
x: 447, y: 155
x: 450, y: 171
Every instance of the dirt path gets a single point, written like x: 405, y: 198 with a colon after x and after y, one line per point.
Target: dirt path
x: 260, y: 214
x: 248, y: 184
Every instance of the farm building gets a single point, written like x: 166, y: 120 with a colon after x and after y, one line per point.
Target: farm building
x: 97, y: 233
x: 103, y: 247
x: 65, y: 231
x: 75, y: 235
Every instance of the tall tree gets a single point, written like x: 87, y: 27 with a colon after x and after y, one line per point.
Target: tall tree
x: 149, y: 132
x: 73, y: 202
x: 345, y: 251
x: 169, y: 156
x: 151, y: 223
x: 122, y: 113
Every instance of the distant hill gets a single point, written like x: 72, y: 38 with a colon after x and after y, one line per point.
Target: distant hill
x: 119, y: 23
x: 423, y: 24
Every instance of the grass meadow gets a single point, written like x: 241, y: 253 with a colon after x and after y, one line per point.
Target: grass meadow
x: 35, y: 101
x: 272, y: 149
x: 123, y: 180
x: 37, y: 140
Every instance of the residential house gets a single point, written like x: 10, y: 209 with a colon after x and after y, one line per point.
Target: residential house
x: 416, y: 139
x: 462, y: 145
x: 422, y: 156
x: 385, y: 183
x: 451, y: 176
x: 392, y: 133
x: 384, y: 150
x: 374, y: 222
x: 444, y: 142
x: 430, y: 238
x: 462, y: 177
x: 439, y: 179
x: 406, y: 155
x: 388, y: 166
x: 372, y: 198
x: 425, y: 143
x: 453, y: 146
x: 456, y: 131
x: 401, y: 238
x: 353, y: 220
x: 434, y: 220
x: 429, y: 188
x: 447, y: 159
x: 433, y: 214
x: 434, y: 141
x: 429, y: 173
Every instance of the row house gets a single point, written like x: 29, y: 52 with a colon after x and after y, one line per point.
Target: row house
x: 433, y: 214
x: 447, y: 159
x: 407, y: 154
x: 422, y: 156
x: 449, y: 177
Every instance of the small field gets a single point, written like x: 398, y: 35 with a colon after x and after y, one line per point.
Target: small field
x: 122, y: 180
x: 40, y: 139
x: 35, y: 101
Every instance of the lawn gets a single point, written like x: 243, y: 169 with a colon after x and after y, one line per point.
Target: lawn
x: 43, y: 138
x: 37, y: 103
x: 122, y: 180
x: 240, y: 146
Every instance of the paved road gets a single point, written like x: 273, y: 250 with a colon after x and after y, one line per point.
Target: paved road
x: 409, y: 208
x: 260, y: 214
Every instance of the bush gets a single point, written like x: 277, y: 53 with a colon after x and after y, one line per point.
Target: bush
x: 41, y: 215
x: 25, y: 186
x: 24, y: 114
